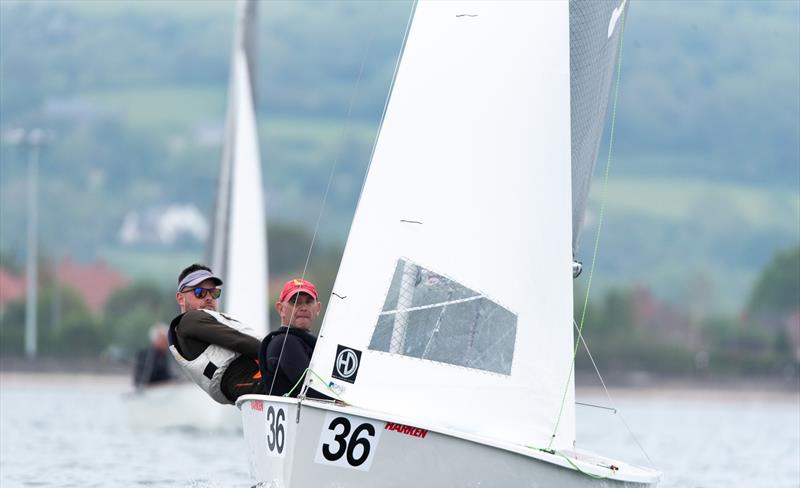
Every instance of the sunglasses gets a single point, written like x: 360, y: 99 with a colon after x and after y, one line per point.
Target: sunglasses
x: 201, y: 292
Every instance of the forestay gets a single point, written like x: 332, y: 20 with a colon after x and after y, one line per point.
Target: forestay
x: 453, y: 304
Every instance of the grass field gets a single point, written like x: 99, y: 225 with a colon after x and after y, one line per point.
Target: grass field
x: 164, y: 108
x: 684, y: 199
x: 159, y: 266
x: 159, y: 109
x: 104, y: 8
x: 678, y: 236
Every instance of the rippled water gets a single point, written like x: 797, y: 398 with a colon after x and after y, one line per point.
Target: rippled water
x: 67, y: 431
x: 699, y: 440
x: 57, y: 436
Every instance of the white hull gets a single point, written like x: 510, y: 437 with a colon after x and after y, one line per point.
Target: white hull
x: 179, y: 406
x: 336, y: 446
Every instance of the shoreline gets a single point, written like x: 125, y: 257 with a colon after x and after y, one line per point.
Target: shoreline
x: 101, y: 372
x: 674, y: 390
x: 48, y: 365
x: 688, y: 391
x: 650, y: 384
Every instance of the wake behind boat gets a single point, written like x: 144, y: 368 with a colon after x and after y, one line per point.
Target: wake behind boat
x: 448, y: 342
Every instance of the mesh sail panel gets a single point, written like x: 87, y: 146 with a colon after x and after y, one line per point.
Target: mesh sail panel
x: 429, y: 316
x: 594, y: 33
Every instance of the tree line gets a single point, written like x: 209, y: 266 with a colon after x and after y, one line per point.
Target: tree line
x: 616, y: 329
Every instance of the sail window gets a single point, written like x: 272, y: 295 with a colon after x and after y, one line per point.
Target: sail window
x: 429, y: 316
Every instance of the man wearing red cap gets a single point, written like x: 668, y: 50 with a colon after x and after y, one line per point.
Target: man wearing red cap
x: 286, y: 352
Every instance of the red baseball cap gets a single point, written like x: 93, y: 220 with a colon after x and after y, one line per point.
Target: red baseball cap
x: 295, y: 286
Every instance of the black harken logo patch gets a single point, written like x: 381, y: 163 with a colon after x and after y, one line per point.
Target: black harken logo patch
x: 345, y: 367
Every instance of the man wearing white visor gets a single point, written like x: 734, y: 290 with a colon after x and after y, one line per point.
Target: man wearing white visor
x: 218, y: 352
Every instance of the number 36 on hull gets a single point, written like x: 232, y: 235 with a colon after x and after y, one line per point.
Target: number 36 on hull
x: 271, y: 434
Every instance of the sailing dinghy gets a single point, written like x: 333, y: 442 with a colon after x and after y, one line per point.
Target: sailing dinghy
x: 448, y: 340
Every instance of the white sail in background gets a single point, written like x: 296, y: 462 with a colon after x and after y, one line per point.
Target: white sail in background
x: 469, y: 189
x: 239, y: 246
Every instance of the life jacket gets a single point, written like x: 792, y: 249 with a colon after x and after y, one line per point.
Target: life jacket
x: 208, y: 368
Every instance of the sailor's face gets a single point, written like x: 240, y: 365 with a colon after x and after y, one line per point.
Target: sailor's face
x: 298, y: 311
x: 188, y: 301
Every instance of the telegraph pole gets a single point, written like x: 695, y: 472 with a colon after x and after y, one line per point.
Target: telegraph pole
x: 34, y: 139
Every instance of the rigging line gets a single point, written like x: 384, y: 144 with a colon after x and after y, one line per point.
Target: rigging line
x: 608, y: 395
x: 599, y: 220
x: 388, y: 97
x: 309, y: 370
x: 283, y: 344
x: 345, y: 128
x: 590, y: 475
x: 374, y: 143
x: 610, y: 467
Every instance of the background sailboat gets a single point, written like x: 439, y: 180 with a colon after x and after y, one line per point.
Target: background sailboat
x: 238, y: 250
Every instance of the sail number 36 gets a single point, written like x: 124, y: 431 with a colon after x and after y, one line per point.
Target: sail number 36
x: 276, y: 430
x: 348, y: 446
x: 348, y: 442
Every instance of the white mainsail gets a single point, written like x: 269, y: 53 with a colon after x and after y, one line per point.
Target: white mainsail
x: 470, y: 184
x: 239, y: 246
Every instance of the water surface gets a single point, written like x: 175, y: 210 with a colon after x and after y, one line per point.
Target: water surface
x: 72, y: 431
